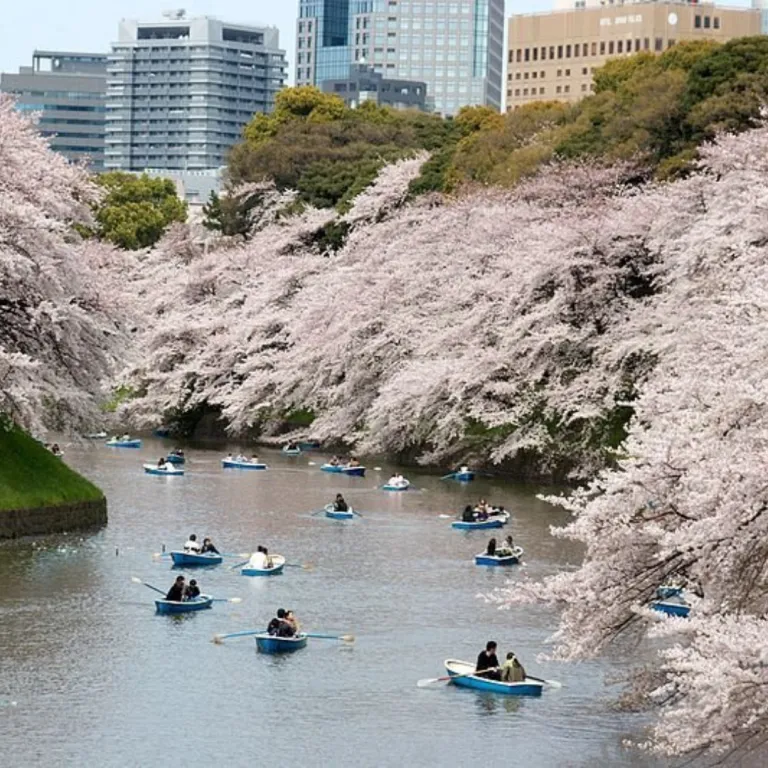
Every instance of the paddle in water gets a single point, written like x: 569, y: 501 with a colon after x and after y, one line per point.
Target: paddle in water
x: 321, y: 636
x: 137, y: 580
x: 219, y: 639
x: 427, y: 681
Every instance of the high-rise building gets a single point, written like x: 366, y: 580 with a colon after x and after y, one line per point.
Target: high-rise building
x: 69, y: 91
x: 554, y: 55
x: 455, y: 46
x: 180, y: 91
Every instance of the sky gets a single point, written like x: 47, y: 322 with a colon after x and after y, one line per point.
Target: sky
x: 91, y: 25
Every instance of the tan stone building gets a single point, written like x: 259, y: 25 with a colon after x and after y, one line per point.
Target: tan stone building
x: 553, y: 55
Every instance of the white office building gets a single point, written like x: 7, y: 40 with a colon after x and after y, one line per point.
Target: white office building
x: 180, y: 91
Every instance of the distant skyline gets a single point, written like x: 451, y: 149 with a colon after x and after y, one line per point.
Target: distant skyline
x: 91, y: 25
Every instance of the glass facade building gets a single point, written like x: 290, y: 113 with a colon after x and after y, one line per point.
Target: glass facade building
x: 180, y: 92
x: 454, y: 46
x: 68, y: 91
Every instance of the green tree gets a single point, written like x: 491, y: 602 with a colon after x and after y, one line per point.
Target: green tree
x: 136, y: 210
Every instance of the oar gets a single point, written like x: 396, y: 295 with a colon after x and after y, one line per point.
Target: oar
x: 320, y: 636
x: 446, y: 678
x: 235, y: 554
x: 449, y: 477
x: 239, y: 565
x: 218, y: 639
x: 137, y: 580
x: 227, y: 599
x: 158, y: 555
x: 355, y: 512
x: 552, y: 683
x: 305, y: 566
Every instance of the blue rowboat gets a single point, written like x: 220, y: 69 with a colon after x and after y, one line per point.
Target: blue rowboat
x: 172, y: 606
x: 174, y: 458
x: 234, y: 464
x: 460, y: 672
x: 291, y: 451
x: 195, y: 558
x: 354, y: 471
x: 115, y: 443
x: 278, y: 563
x: 388, y: 487
x: 464, y: 477
x: 331, y: 468
x: 496, y: 521
x: 271, y: 644
x: 671, y: 608
x: 500, y: 559
x: 336, y: 515
x: 153, y: 469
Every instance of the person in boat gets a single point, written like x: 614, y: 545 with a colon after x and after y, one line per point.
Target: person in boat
x: 292, y: 445
x: 512, y: 671
x: 125, y: 438
x: 162, y: 463
x: 339, y: 504
x: 353, y: 462
x: 254, y: 459
x: 192, y: 545
x: 463, y: 469
x: 282, y: 626
x: 176, y: 592
x: 291, y: 620
x: 482, y: 506
x: 260, y: 559
x: 334, y: 462
x: 208, y: 547
x: 488, y: 663
x: 273, y: 628
x: 494, y: 511
x: 468, y: 515
x: 491, y: 549
x: 482, y: 514
x: 230, y: 457
x: 192, y: 590
x: 177, y: 452
x: 392, y: 481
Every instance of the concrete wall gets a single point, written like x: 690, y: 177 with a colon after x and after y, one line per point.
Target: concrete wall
x: 66, y: 517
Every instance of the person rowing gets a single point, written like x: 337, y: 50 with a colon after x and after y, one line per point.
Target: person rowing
x: 177, y: 452
x: 339, y: 504
x: 162, y: 463
x: 208, y: 547
x: 281, y: 625
x: 488, y: 663
x: 507, y: 548
x: 468, y: 515
x: 176, y: 592
x: 260, y: 559
x: 491, y: 549
x: 192, y: 545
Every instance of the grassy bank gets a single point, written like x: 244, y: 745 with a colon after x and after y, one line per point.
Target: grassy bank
x: 31, y: 476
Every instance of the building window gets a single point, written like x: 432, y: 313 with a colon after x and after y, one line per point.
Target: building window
x: 541, y: 75
x: 716, y: 22
x: 551, y: 51
x: 535, y: 54
x: 519, y: 54
x: 527, y: 54
x: 525, y: 76
x: 584, y: 70
x: 637, y: 45
x: 567, y: 72
x: 558, y: 89
x: 559, y: 51
x: 517, y: 75
x: 517, y: 91
x: 511, y: 54
x: 594, y: 49
x: 646, y: 44
x: 706, y: 22
x: 525, y: 91
x: 620, y: 46
x: 610, y: 47
x: 541, y: 91
x: 697, y: 22
x: 567, y: 51
x: 533, y: 75
x: 658, y: 44
x: 567, y: 89
x: 583, y: 87
x: 559, y: 72
x: 602, y: 48
x: 670, y: 43
x: 543, y: 54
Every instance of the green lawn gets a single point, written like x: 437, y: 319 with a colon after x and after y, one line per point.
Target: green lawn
x: 31, y: 476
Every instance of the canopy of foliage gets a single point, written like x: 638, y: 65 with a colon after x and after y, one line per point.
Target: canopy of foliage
x: 60, y: 331
x: 656, y: 107
x: 135, y: 210
x: 313, y: 143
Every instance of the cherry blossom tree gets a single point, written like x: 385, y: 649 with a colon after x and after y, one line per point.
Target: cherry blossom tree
x: 59, y: 332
